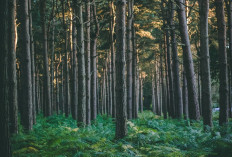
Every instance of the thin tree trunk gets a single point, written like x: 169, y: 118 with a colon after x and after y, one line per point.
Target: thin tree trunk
x: 74, y: 99
x: 130, y: 114
x: 32, y: 62
x: 5, y: 149
x: 13, y: 109
x: 121, y: 128
x: 47, y: 92
x: 94, y: 35
x: 205, y: 65
x: 185, y: 97
x: 188, y: 63
x: 66, y: 70
x: 87, y: 63
x: 223, y: 76
x: 112, y: 51
x: 81, y: 116
x: 229, y: 13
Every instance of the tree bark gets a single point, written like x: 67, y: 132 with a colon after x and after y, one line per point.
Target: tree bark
x: 130, y: 114
x: 47, y: 93
x: 13, y: 109
x: 204, y: 63
x: 87, y: 63
x: 229, y: 13
x: 223, y: 75
x: 4, y: 89
x: 81, y: 116
x: 74, y: 99
x: 94, y: 35
x: 121, y: 128
x: 188, y: 62
x: 112, y: 51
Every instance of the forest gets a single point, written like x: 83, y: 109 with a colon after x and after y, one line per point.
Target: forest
x: 116, y: 78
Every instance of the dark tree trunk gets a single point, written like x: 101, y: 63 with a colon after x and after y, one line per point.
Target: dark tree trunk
x: 185, y: 97
x: 178, y: 109
x: 87, y: 63
x: 170, y: 76
x: 81, y: 116
x: 112, y: 51
x: 47, y: 93
x: 27, y: 119
x: 229, y: 13
x: 4, y: 97
x: 74, y: 99
x: 94, y: 35
x: 66, y: 70
x: 32, y: 63
x: 121, y: 128
x: 13, y: 109
x: 135, y: 73
x: 188, y: 62
x: 205, y: 67
x: 164, y: 104
x: 141, y: 94
x: 130, y: 114
x: 223, y: 76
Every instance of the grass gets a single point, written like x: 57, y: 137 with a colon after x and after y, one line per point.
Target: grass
x: 149, y: 135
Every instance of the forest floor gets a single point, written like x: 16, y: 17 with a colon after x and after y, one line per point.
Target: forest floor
x: 149, y: 135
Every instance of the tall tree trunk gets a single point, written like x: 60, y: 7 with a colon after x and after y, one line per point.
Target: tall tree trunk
x: 94, y: 35
x: 32, y: 62
x: 205, y: 67
x: 164, y: 104
x: 4, y: 97
x: 81, y: 116
x: 112, y: 51
x: 229, y: 13
x: 27, y: 119
x: 121, y: 128
x: 170, y: 76
x: 130, y: 114
x: 141, y: 94
x: 46, y: 78
x: 223, y: 76
x: 185, y: 97
x: 87, y: 63
x: 178, y: 109
x: 66, y: 70
x: 74, y: 99
x: 188, y: 62
x: 109, y: 82
x: 135, y: 72
x: 13, y: 109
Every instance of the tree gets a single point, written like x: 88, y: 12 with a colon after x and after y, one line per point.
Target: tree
x: 27, y: 119
x: 4, y: 103
x: 121, y: 128
x: 205, y: 68
x: 93, y: 49
x: 46, y: 79
x: 176, y: 81
x: 81, y: 116
x: 129, y: 61
x: 87, y: 62
x: 188, y: 62
x: 74, y: 66
x: 229, y: 13
x: 112, y: 51
x: 223, y: 76
x: 13, y: 101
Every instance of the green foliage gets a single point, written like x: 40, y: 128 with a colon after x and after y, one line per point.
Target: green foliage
x: 149, y: 135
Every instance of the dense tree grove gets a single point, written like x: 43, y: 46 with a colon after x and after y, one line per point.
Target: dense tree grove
x: 116, y: 58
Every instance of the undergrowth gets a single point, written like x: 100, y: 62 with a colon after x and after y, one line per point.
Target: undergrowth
x: 149, y: 135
